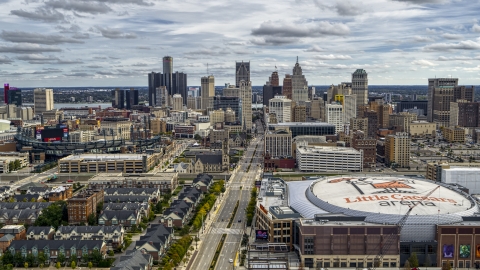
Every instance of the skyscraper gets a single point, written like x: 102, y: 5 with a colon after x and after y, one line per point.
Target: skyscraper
x: 177, y: 102
x: 246, y: 96
x: 155, y: 80
x: 168, y: 72
x: 179, y: 85
x: 43, y: 100
x: 360, y: 86
x: 287, y: 86
x: 131, y: 98
x: 118, y: 99
x: 439, y: 83
x: 299, y: 84
x: 271, y: 88
x: 274, y: 80
x: 6, y: 87
x: 242, y: 72
x: 208, y: 91
x: 14, y: 97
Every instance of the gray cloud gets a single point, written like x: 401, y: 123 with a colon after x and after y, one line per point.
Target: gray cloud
x: 454, y: 58
x: 69, y: 62
x: 348, y: 9
x: 27, y: 37
x: 38, y: 58
x: 143, y: 48
x: 94, y: 66
x: 72, y: 29
x: 80, y: 6
x: 135, y: 2
x: 5, y: 60
x: 423, y: 39
x: 452, y: 36
x: 81, y: 36
x: 423, y: 1
x: 273, y: 41
x: 115, y: 33
x: 28, y: 48
x: 333, y: 57
x: 476, y: 28
x: 40, y: 14
x: 78, y: 74
x: 315, y: 29
x: 462, y: 45
x: 315, y: 48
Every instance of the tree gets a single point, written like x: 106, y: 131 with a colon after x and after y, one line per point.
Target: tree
x: 17, y: 164
x: 73, y: 264
x: 25, y: 265
x: 18, y: 259
x: 92, y: 220
x: 7, y: 257
x: 57, y: 265
x: 110, y: 253
x: 30, y: 259
x: 413, y: 260
x: 447, y: 265
x: 61, y: 258
x: 41, y: 257
x: 41, y: 266
x: 90, y: 265
x: 407, y: 266
x: 53, y: 215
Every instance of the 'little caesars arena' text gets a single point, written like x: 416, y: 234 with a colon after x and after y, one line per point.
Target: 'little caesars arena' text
x: 399, y: 199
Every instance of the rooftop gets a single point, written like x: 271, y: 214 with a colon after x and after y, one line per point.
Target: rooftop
x: 103, y: 157
x: 326, y: 149
x: 301, y: 124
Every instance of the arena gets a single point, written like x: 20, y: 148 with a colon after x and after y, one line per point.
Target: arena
x: 384, y: 200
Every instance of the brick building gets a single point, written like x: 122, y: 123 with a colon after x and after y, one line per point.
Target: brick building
x: 83, y: 204
x: 359, y: 141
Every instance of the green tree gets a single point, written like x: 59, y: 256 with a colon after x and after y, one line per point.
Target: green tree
x: 90, y: 265
x: 197, y: 137
x: 73, y: 264
x: 413, y: 260
x: 96, y: 257
x: 92, y: 220
x: 17, y: 164
x: 41, y: 265
x: 407, y: 266
x: 11, y: 166
x: 18, y: 259
x: 110, y: 253
x: 53, y: 215
x: 30, y: 259
x: 41, y: 257
x: 7, y: 257
x: 61, y: 258
x: 25, y: 265
x: 57, y: 265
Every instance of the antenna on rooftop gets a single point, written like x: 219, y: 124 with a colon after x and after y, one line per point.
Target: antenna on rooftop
x: 207, y: 69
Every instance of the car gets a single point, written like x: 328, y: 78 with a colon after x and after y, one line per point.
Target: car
x: 239, y: 220
x: 230, y: 260
x: 69, y: 180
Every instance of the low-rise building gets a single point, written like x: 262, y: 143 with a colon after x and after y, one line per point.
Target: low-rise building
x: 126, y: 218
x: 178, y: 214
x: 82, y: 205
x: 152, y: 193
x: 52, y: 248
x: 434, y: 169
x: 325, y: 159
x: 40, y: 233
x: 454, y: 134
x: 97, y: 163
x: 143, y: 208
x: 166, y: 182
x: 156, y: 240
x: 422, y: 128
x: 203, y: 182
x: 134, y: 260
x: 111, y: 235
x: 16, y: 216
x: 126, y: 199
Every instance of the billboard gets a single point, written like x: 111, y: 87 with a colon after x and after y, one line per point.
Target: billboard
x: 258, y: 183
x: 261, y: 234
x: 448, y: 251
x: 51, y: 134
x: 464, y: 251
x: 477, y: 251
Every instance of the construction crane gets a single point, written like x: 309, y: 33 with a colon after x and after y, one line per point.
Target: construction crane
x: 390, y: 239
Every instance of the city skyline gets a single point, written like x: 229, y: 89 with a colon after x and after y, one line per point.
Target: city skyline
x: 103, y: 43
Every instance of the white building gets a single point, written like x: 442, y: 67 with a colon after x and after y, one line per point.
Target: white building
x: 177, y: 102
x: 349, y: 108
x: 281, y: 106
x: 468, y: 177
x: 43, y: 100
x: 334, y: 116
x: 328, y: 159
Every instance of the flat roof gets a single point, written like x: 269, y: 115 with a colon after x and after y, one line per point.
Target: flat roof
x: 313, y: 222
x: 326, y: 149
x: 292, y: 124
x: 103, y: 157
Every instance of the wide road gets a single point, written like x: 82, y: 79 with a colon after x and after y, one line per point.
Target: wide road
x: 238, y: 188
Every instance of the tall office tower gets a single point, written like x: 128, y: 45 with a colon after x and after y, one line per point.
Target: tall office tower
x: 168, y: 73
x: 464, y: 114
x: 14, y: 96
x: 191, y: 102
x: 334, y: 116
x: 442, y: 91
x: 6, y: 87
x: 274, y: 80
x: 311, y: 92
x: 281, y: 106
x: 131, y: 98
x: 119, y: 99
x: 360, y: 86
x: 242, y: 72
x: 208, y: 92
x: 335, y: 90
x: 287, y: 86
x: 179, y: 85
x: 161, y: 96
x: 227, y: 102
x: 318, y: 109
x: 177, y: 102
x: 299, y: 84
x: 254, y: 98
x: 246, y: 96
x: 42, y: 100
x: 299, y: 113
x: 154, y: 80
x: 349, y: 107
x: 359, y: 124
x: 372, y: 121
x: 231, y: 91
x: 397, y: 150
x: 271, y: 88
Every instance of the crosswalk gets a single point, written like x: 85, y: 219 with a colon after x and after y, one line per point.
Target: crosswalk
x: 226, y: 231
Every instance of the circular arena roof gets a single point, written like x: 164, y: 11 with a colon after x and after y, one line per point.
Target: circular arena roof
x: 390, y: 195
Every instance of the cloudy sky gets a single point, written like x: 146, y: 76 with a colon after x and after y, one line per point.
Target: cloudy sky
x: 53, y: 43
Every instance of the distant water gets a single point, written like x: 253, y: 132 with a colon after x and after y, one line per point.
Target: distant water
x: 77, y: 105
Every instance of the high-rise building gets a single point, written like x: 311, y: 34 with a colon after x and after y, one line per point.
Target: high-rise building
x: 318, y: 109
x: 208, y: 92
x: 359, y: 124
x: 6, y: 87
x: 43, y: 100
x: 336, y: 90
x: 161, y: 96
x: 242, y: 72
x: 271, y: 88
x: 118, y: 99
x: 299, y: 84
x: 155, y: 80
x: 177, y: 102
x: 334, y: 116
x: 246, y: 96
x: 372, y: 117
x: 281, y: 106
x: 287, y: 86
x: 217, y: 116
x: 274, y: 80
x: 299, y: 113
x: 191, y: 102
x: 360, y: 142
x: 230, y: 116
x: 397, y: 150
x: 349, y: 107
x: 168, y: 73
x: 232, y: 103
x: 442, y: 91
x: 131, y: 98
x: 231, y: 91
x: 278, y: 143
x: 360, y: 86
x: 401, y: 121
x: 179, y: 85
x: 14, y: 96
x: 464, y: 114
